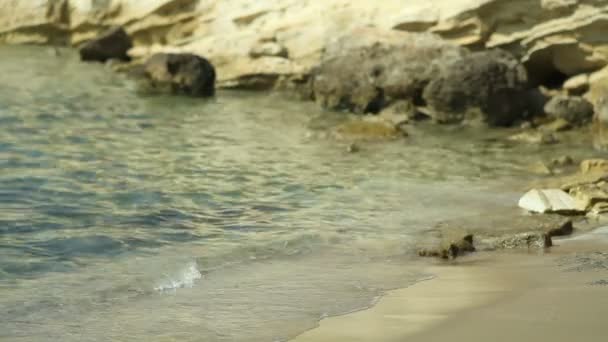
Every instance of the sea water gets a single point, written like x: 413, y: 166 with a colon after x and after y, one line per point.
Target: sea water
x: 138, y: 217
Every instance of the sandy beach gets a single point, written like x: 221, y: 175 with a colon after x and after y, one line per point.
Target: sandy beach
x: 560, y: 295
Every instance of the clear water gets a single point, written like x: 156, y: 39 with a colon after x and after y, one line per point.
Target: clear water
x: 126, y: 217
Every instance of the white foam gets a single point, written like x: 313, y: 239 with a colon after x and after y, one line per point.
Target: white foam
x: 185, y: 278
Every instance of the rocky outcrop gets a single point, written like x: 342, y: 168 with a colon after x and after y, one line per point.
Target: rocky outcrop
x: 491, y: 84
x: 180, y: 74
x: 35, y: 22
x: 111, y: 44
x: 369, y: 69
x: 575, y: 110
x: 583, y: 192
x: 555, y: 39
x: 553, y: 36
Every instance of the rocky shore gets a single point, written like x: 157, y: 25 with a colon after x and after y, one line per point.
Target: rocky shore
x: 539, y: 67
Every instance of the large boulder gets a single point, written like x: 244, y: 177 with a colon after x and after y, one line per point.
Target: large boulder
x: 111, y: 44
x: 368, y: 69
x: 490, y: 84
x: 183, y: 73
x: 576, y: 110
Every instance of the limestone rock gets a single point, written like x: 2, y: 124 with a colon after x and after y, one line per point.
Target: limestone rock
x: 575, y: 110
x: 34, y: 22
x: 594, y: 166
x: 181, y: 74
x: 548, y: 201
x: 555, y: 37
x: 577, y: 85
x: 268, y: 49
x: 491, y: 81
x: 261, y: 73
x: 557, y: 125
x: 111, y: 44
x: 534, y: 137
x: 588, y: 195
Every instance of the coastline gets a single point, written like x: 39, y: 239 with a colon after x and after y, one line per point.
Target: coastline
x: 501, y: 296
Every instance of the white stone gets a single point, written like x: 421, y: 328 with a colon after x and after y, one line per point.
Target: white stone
x: 548, y: 201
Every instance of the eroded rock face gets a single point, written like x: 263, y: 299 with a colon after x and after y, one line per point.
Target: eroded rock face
x: 112, y: 44
x: 492, y: 84
x: 368, y: 69
x: 181, y: 74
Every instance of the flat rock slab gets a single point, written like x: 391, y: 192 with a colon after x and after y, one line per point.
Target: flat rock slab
x: 549, y: 201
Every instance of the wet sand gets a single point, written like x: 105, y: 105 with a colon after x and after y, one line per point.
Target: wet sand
x: 517, y: 296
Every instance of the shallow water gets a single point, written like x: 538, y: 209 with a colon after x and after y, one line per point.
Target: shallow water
x: 127, y: 217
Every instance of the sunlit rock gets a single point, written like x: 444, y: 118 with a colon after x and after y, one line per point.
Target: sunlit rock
x: 548, y: 201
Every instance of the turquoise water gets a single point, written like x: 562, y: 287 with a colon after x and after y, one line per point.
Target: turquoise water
x: 126, y: 217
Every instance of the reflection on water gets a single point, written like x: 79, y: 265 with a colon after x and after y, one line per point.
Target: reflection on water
x: 138, y: 218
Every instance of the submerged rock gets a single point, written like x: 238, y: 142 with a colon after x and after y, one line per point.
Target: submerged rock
x: 562, y: 161
x: 361, y: 129
x: 548, y: 201
x: 452, y: 250
x: 111, y: 44
x: 599, y: 127
x: 492, y: 84
x: 181, y: 74
x: 540, y: 137
x: 522, y: 240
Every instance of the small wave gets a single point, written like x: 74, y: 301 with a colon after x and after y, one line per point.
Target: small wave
x: 185, y: 278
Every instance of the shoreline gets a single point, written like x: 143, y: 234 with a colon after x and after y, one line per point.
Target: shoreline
x: 491, y: 296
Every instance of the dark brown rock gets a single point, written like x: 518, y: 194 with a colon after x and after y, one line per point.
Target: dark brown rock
x: 490, y: 84
x: 186, y: 74
x: 111, y: 44
x: 370, y: 69
x: 563, y: 230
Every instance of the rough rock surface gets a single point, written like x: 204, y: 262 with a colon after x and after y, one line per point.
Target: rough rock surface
x: 575, y: 110
x: 491, y: 83
x: 181, y: 74
x: 111, y: 44
x: 368, y: 69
